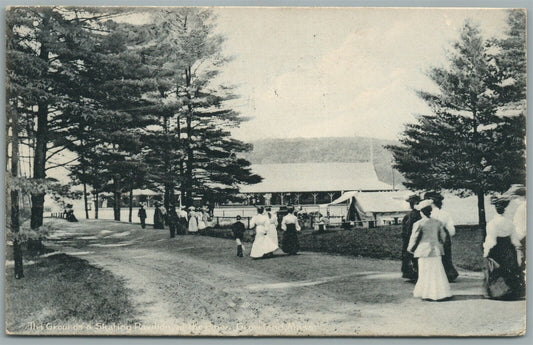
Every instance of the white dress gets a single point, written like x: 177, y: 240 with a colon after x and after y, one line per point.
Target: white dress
x: 427, y: 237
x: 262, y: 243
x: 272, y: 231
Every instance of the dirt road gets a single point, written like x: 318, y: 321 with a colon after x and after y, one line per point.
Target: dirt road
x: 195, y: 285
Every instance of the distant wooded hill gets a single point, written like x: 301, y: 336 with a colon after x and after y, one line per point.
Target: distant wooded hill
x: 323, y: 150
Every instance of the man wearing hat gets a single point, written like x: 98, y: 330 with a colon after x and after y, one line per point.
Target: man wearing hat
x: 449, y: 226
x: 409, y: 263
x: 142, y: 216
x: 172, y: 220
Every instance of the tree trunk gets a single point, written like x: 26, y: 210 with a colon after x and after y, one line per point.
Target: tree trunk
x: 15, y: 223
x: 481, y: 212
x: 96, y: 205
x: 188, y: 180
x: 85, y: 200
x: 39, y: 161
x: 117, y: 195
x: 131, y: 202
x: 166, y: 165
x: 39, y: 172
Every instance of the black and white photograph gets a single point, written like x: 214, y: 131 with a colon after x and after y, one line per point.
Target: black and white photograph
x: 265, y: 171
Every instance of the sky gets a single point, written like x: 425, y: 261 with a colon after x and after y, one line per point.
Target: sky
x: 337, y: 72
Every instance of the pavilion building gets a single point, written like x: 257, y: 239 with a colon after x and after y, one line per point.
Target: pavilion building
x: 311, y: 183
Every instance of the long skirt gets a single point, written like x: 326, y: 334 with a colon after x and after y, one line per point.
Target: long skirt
x: 290, y: 244
x: 273, y: 235
x: 503, y: 277
x: 450, y: 270
x: 159, y: 221
x: 262, y: 245
x: 193, y: 225
x: 432, y: 282
x: 409, y: 263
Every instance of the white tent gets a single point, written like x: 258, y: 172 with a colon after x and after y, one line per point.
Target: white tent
x: 370, y: 205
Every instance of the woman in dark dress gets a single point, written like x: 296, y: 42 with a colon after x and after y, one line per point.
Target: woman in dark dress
x: 290, y: 226
x: 159, y: 217
x: 502, y: 272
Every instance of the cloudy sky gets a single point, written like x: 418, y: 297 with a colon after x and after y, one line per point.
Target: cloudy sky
x: 337, y: 72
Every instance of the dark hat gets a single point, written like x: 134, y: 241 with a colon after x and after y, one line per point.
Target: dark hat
x: 415, y: 198
x: 433, y: 195
x: 500, y: 202
x: 516, y: 189
x: 238, y: 217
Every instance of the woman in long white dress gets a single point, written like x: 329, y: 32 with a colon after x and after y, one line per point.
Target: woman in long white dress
x: 426, y: 244
x: 272, y: 230
x: 193, y: 220
x: 262, y: 243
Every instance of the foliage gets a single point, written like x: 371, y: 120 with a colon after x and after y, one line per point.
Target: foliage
x: 472, y: 143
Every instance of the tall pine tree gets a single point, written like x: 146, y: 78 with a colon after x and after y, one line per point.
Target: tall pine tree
x: 469, y: 144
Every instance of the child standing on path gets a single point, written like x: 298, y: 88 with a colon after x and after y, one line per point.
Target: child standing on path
x: 238, y: 233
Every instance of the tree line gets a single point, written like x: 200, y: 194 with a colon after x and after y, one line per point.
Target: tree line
x: 131, y: 94
x: 474, y: 141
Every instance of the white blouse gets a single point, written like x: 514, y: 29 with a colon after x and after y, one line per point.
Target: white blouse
x: 290, y: 219
x: 445, y: 218
x: 499, y: 226
x: 520, y: 220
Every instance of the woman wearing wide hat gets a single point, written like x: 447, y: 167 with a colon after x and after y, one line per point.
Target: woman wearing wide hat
x: 503, y: 276
x: 426, y: 244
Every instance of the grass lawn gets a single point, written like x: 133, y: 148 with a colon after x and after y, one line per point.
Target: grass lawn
x: 382, y: 243
x: 60, y: 290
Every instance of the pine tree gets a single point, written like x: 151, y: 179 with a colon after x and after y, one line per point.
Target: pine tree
x: 466, y: 145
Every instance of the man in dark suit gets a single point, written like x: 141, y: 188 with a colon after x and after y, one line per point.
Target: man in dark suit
x: 142, y: 216
x: 409, y: 263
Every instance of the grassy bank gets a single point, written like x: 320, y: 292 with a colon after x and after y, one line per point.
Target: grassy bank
x: 381, y: 243
x: 61, y: 290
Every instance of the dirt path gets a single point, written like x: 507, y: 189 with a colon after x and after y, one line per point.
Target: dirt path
x: 193, y: 285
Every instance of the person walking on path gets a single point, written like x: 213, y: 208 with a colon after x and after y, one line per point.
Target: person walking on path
x: 503, y: 277
x: 290, y: 226
x: 159, y: 216
x: 263, y: 245
x: 172, y: 220
x: 449, y: 227
x: 238, y: 230
x: 183, y: 224
x: 409, y: 263
x: 142, y: 216
x: 426, y: 244
x: 272, y: 230
x: 193, y: 220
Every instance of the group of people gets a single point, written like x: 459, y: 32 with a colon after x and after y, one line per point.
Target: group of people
x: 179, y: 222
x: 266, y: 240
x: 427, y: 231
x: 68, y: 213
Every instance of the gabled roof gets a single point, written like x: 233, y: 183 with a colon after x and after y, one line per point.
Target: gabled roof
x: 315, y: 177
